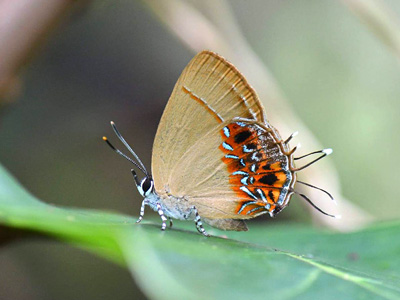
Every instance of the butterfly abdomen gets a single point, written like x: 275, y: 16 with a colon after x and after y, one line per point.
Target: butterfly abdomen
x: 258, y: 166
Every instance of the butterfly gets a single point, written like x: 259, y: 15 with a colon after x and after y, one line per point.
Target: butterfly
x: 216, y: 159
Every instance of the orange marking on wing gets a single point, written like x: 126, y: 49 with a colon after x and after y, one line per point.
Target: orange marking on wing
x: 254, y: 177
x: 248, y: 208
x: 271, y: 193
x: 247, y: 135
x: 266, y: 167
x: 233, y: 164
x: 276, y: 179
x: 204, y: 104
x: 243, y: 208
x: 237, y: 130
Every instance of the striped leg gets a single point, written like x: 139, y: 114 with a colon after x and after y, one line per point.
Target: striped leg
x: 199, y: 224
x: 141, y: 211
x: 163, y: 217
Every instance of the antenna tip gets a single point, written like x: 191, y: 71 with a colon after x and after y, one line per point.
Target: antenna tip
x: 298, y: 146
x: 295, y: 133
x: 327, y: 151
x: 338, y: 216
x: 104, y: 138
x: 112, y: 123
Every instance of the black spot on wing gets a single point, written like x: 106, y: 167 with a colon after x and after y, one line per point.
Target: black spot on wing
x: 251, y: 146
x: 271, y: 195
x: 267, y: 167
x: 268, y: 179
x: 242, y: 136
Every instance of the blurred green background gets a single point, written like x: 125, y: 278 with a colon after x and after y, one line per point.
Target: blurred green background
x: 116, y: 61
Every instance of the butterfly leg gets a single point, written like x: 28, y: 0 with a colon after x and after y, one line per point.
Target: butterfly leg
x: 170, y: 223
x: 199, y: 223
x: 144, y: 202
x: 163, y: 217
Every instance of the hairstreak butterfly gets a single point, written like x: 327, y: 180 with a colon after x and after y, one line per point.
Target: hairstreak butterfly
x: 215, y: 157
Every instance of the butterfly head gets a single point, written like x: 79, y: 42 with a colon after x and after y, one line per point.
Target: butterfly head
x: 146, y: 186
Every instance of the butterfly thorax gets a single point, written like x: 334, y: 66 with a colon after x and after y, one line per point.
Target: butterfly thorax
x: 172, y: 206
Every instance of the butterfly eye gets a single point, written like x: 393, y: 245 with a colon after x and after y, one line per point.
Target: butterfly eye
x: 146, y: 186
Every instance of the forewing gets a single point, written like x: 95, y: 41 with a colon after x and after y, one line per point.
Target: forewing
x: 209, y: 93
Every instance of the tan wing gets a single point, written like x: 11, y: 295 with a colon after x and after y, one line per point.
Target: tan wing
x: 186, y: 160
x: 227, y: 224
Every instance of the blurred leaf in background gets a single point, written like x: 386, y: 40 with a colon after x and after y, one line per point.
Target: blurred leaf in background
x: 180, y: 264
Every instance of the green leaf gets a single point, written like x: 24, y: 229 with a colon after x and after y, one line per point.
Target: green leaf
x: 268, y: 262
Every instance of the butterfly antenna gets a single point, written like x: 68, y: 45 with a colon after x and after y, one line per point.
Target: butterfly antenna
x: 324, y: 152
x: 114, y: 127
x: 316, y: 207
x: 317, y: 188
x: 124, y: 156
x: 290, y: 137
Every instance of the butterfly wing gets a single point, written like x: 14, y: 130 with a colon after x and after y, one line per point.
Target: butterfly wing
x: 187, y: 158
x: 209, y: 90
